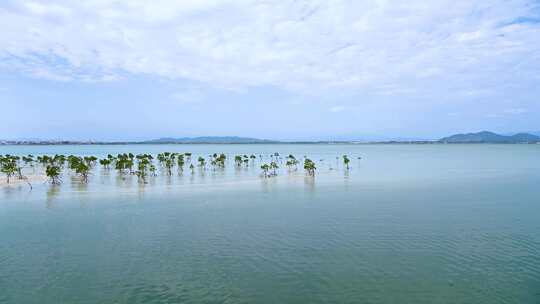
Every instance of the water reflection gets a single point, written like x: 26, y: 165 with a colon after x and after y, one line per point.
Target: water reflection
x: 346, y: 179
x: 124, y: 180
x: 105, y: 176
x: 77, y: 184
x: 52, y: 193
x: 202, y: 173
x: 141, y: 190
x: 168, y: 180
x: 237, y: 171
x: 268, y: 184
x: 309, y: 184
x: 10, y: 190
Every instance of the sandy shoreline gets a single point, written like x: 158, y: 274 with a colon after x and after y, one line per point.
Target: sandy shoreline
x: 15, y: 181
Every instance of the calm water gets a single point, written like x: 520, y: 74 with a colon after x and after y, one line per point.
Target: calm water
x: 407, y: 224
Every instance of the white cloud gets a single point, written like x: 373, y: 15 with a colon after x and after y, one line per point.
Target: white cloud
x: 493, y: 115
x: 507, y: 112
x: 336, y: 109
x: 46, y: 9
x: 515, y: 111
x: 296, y: 45
x: 190, y: 96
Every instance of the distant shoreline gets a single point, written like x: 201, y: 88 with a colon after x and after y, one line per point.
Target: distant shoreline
x: 483, y: 137
x: 264, y: 143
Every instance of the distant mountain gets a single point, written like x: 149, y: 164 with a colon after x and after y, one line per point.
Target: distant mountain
x: 210, y: 140
x: 490, y: 137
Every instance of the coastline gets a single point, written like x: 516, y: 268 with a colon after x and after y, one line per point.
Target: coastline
x: 270, y: 143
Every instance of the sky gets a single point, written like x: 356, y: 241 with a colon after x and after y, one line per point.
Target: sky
x: 284, y: 69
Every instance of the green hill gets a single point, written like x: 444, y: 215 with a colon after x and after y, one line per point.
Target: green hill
x: 490, y: 137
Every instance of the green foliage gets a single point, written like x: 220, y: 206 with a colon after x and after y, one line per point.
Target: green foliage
x: 270, y: 170
x: 81, y: 165
x: 202, y: 162
x: 83, y: 169
x: 28, y: 160
x: 346, y: 161
x: 167, y: 160
x: 180, y: 162
x: 265, y: 168
x: 59, y: 159
x: 106, y: 163
x: 9, y: 165
x: 238, y: 160
x: 310, y: 167
x: 124, y: 162
x: 291, y: 162
x: 90, y: 160
x: 53, y: 173
x: 274, y: 166
x: 144, y: 165
x: 218, y: 160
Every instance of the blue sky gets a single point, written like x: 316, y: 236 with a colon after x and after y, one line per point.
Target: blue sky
x: 380, y: 69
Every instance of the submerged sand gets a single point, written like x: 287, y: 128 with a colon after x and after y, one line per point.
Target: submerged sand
x: 15, y: 181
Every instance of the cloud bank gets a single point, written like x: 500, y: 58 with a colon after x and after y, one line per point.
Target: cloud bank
x: 385, y: 47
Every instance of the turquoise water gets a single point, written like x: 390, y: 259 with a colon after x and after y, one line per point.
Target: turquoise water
x: 406, y: 224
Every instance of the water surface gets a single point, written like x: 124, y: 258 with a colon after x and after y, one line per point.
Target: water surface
x: 406, y: 224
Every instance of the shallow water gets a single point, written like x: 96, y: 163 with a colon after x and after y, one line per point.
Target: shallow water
x: 406, y: 224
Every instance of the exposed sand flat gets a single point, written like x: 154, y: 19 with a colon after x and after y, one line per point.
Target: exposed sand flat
x: 14, y: 180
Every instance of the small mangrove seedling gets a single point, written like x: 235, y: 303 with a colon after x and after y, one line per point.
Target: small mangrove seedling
x: 291, y: 162
x: 269, y: 170
x: 167, y: 160
x: 265, y: 168
x: 219, y: 160
x: 310, y: 167
x: 28, y: 160
x: 8, y: 166
x: 120, y: 163
x: 81, y: 166
x: 106, y: 163
x: 180, y: 162
x: 346, y: 161
x: 83, y: 169
x: 53, y: 173
x: 142, y: 167
x: 90, y: 160
x: 59, y: 160
x: 238, y: 160
x: 274, y: 166
x: 202, y: 162
x: 130, y: 163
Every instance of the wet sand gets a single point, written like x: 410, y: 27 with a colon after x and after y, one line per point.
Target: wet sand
x: 15, y: 181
